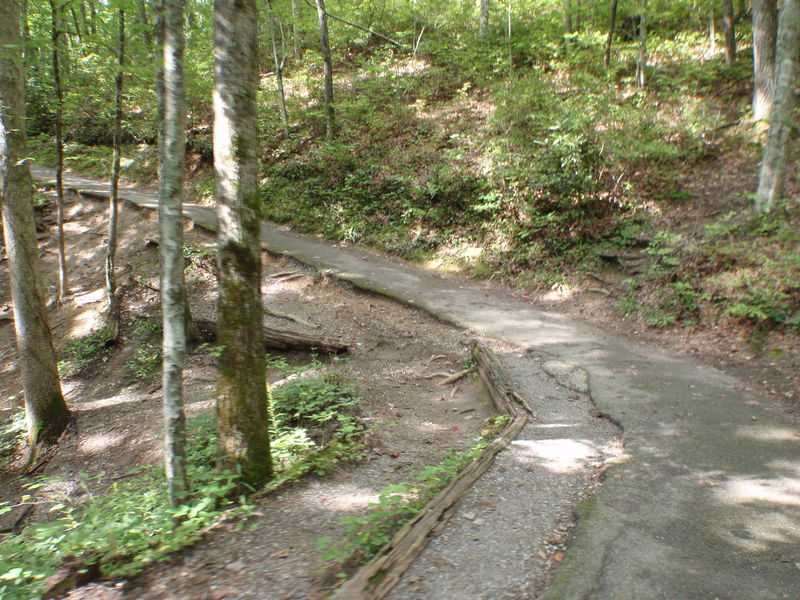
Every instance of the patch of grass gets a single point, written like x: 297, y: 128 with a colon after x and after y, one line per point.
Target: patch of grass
x: 80, y: 353
x: 12, y: 434
x: 119, y: 532
x: 132, y: 525
x: 147, y: 357
x: 398, y: 503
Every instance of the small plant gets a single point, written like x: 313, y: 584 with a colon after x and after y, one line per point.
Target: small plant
x: 122, y: 531
x: 79, y: 353
x: 147, y: 357
x: 399, y: 502
x: 12, y: 433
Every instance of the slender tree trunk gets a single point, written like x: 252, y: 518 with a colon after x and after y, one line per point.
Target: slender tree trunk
x: 77, y: 23
x: 483, y: 16
x: 612, y: 25
x: 144, y: 22
x: 568, y: 17
x: 26, y: 31
x: 173, y: 288
x: 327, y: 71
x: 297, y: 41
x: 113, y: 202
x: 242, y: 416
x: 765, y: 26
x: 712, y: 31
x: 280, y: 62
x: 728, y: 23
x: 83, y: 16
x: 641, y: 60
x: 741, y: 9
x: 93, y: 15
x: 46, y: 412
x: 508, y: 39
x: 781, y: 119
x: 63, y: 285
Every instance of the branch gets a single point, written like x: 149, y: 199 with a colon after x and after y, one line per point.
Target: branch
x: 375, y: 33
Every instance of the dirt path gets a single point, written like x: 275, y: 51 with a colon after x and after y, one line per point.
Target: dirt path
x: 705, y: 501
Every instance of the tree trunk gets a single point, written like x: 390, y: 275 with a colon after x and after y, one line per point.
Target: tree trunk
x: 93, y: 15
x: 113, y: 202
x: 279, y: 62
x: 63, y: 285
x: 641, y: 59
x: 483, y: 16
x: 46, y: 412
x: 612, y: 25
x: 781, y: 119
x: 567, y: 17
x: 281, y: 339
x: 77, y: 23
x: 728, y: 21
x: 510, y: 47
x: 712, y: 31
x: 26, y: 30
x: 297, y: 43
x: 141, y: 15
x: 327, y: 71
x: 173, y: 289
x: 765, y: 26
x: 242, y: 416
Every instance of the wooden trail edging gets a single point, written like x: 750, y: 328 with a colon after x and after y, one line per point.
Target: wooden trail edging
x: 375, y: 579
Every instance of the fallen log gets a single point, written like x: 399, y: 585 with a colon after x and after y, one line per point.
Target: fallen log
x: 281, y: 339
x: 375, y: 579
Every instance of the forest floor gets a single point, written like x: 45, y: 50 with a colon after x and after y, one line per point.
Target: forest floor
x: 116, y: 401
x: 115, y: 396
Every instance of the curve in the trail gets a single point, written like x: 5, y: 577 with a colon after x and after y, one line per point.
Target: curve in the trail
x: 707, y: 504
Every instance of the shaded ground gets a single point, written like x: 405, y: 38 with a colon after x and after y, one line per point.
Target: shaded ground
x: 116, y: 401
x: 704, y: 501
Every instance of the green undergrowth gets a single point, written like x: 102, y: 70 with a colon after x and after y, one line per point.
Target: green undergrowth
x: 81, y: 352
x: 741, y: 267
x: 454, y: 160
x: 398, y: 503
x: 130, y: 525
x: 12, y: 434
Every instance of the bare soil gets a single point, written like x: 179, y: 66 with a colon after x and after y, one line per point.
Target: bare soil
x: 117, y: 411
x: 716, y: 186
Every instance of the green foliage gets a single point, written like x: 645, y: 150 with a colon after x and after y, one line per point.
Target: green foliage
x: 121, y: 531
x: 80, y: 353
x: 133, y: 525
x: 12, y: 434
x: 399, y: 502
x: 147, y: 357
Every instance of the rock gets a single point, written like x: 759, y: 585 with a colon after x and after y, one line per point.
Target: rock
x: 569, y: 376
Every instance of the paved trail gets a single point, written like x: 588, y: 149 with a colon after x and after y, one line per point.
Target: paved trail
x: 705, y: 504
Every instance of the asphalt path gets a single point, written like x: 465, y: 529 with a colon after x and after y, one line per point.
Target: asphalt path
x: 705, y: 502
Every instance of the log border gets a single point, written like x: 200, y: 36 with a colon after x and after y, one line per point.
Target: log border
x: 375, y: 579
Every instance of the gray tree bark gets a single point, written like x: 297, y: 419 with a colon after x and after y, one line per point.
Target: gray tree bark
x: 327, y: 71
x: 483, y: 16
x: 781, y: 118
x: 728, y: 24
x: 173, y: 288
x: 113, y: 202
x: 297, y: 43
x: 279, y: 60
x: 63, y: 284
x: 567, y: 17
x: 141, y: 14
x: 765, y: 26
x: 242, y: 416
x: 641, y: 58
x: 46, y: 412
x: 612, y: 25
